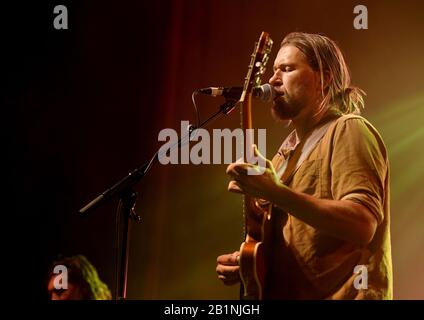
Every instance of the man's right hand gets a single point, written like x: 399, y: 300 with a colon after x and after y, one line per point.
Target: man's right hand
x: 228, y: 268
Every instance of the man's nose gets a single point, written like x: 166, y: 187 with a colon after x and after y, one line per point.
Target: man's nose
x: 275, y: 80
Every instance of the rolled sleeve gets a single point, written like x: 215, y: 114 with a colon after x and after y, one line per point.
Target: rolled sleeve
x: 359, y: 165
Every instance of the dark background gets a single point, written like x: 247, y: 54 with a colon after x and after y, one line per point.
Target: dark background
x: 84, y: 106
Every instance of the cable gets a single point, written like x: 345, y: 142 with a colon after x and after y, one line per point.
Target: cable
x: 190, y: 131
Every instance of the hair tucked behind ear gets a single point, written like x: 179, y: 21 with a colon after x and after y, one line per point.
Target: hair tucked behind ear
x: 325, y: 56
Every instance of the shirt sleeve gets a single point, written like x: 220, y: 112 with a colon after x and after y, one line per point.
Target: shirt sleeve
x: 359, y: 165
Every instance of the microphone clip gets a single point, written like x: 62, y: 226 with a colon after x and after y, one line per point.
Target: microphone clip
x: 229, y: 105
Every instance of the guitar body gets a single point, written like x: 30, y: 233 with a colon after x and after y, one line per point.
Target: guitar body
x: 262, y: 253
x: 252, y: 252
x: 263, y: 228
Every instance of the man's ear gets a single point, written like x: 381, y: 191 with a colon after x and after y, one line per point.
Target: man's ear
x: 326, y: 79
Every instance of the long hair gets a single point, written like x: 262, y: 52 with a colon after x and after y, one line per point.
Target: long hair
x: 82, y: 273
x: 325, y: 56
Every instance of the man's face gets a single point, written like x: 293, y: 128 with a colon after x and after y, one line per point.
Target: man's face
x: 72, y: 293
x: 296, y: 84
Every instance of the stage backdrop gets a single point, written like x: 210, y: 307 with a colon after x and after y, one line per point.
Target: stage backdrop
x: 86, y: 106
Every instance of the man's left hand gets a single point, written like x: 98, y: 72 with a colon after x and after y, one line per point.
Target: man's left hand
x: 259, y: 185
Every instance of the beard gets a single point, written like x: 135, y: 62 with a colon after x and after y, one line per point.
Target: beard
x: 284, y: 108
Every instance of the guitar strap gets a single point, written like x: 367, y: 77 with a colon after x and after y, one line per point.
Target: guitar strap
x: 302, y: 151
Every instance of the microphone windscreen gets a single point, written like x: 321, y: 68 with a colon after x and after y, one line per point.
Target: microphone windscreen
x: 266, y: 93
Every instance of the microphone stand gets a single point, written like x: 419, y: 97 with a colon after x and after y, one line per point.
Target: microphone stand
x: 124, y: 190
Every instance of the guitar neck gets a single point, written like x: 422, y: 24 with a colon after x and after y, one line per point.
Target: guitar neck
x: 252, y: 227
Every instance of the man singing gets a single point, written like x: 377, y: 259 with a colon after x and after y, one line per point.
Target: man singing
x: 330, y: 178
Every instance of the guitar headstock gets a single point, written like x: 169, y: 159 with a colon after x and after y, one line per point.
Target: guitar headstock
x: 257, y: 65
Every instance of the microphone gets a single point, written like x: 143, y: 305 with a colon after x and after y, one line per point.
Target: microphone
x: 265, y: 92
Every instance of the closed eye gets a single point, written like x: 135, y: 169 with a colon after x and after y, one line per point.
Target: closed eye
x: 284, y: 67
